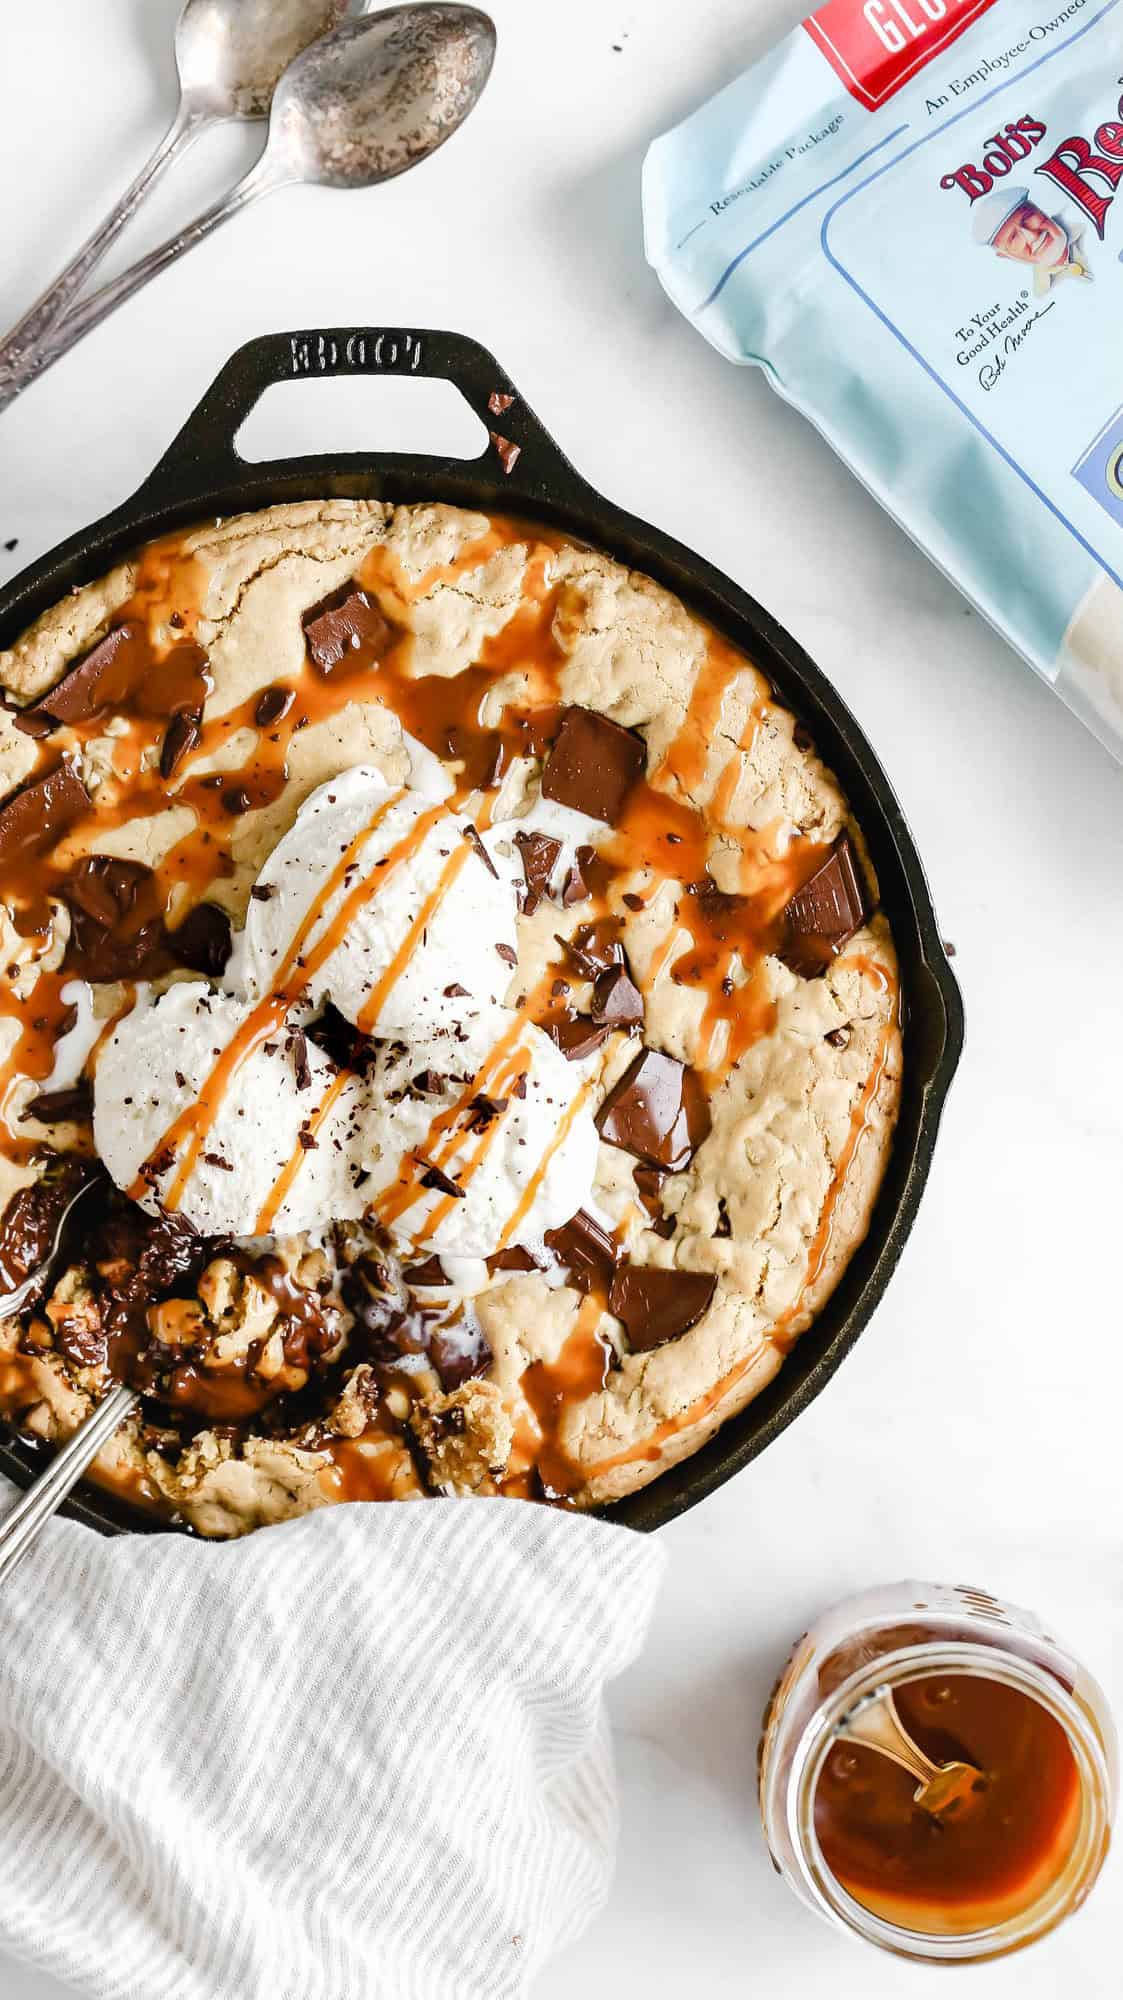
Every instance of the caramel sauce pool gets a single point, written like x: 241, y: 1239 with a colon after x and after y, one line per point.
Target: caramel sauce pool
x: 979, y: 1863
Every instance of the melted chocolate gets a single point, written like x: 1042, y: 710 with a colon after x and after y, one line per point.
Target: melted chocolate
x: 593, y: 765
x: 825, y: 913
x: 347, y: 627
x: 658, y: 1111
x: 589, y: 1253
x: 657, y: 1305
x: 122, y: 671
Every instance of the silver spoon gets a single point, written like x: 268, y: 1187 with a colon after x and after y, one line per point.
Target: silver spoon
x: 368, y: 101
x: 877, y: 1723
x: 230, y: 55
x: 19, y: 1528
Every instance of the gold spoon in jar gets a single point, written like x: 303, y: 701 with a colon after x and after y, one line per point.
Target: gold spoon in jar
x: 876, y: 1723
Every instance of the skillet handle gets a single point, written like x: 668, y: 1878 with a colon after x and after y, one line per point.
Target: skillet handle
x: 521, y: 453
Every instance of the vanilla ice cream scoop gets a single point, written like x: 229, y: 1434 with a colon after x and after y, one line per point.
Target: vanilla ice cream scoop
x: 388, y: 903
x: 484, y: 1159
x: 264, y: 1145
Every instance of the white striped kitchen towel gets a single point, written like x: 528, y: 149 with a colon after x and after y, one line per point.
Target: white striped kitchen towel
x: 361, y: 1756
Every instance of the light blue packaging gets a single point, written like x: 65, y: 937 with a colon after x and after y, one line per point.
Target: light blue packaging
x: 924, y: 254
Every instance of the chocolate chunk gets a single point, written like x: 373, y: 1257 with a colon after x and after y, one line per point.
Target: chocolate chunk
x: 649, y: 1186
x: 428, y: 1274
x: 471, y: 835
x: 79, y: 694
x: 227, y: 1166
x: 427, y: 1083
x: 121, y: 671
x: 594, y: 947
x: 617, y: 1000
x: 823, y: 916
x: 576, y: 1035
x: 183, y: 733
x: 839, y: 1038
x: 576, y: 887
x: 60, y: 1107
x: 632, y: 901
x: 539, y: 853
x: 656, y: 1306
x: 261, y: 892
x: 308, y: 1140
x: 435, y: 1177
x: 724, y: 1226
x: 202, y: 941
x: 514, y: 1259
x: 508, y: 452
x: 38, y: 815
x: 272, y: 704
x: 508, y: 954
x: 588, y: 1252
x: 657, y: 1111
x: 298, y: 1043
x: 33, y: 721
x: 483, y: 1110
x: 236, y: 801
x: 116, y: 919
x: 455, y: 992
x: 497, y: 403
x: 347, y: 622
x: 593, y: 764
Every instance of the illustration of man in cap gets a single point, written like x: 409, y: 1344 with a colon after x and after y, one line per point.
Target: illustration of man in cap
x: 1009, y: 223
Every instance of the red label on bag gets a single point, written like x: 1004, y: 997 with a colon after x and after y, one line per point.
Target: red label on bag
x: 875, y: 46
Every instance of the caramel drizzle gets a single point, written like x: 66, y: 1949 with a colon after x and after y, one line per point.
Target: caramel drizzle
x: 376, y: 998
x: 466, y: 1169
x: 442, y: 1139
x: 296, y: 971
x: 533, y: 1186
x: 280, y: 1188
x: 775, y: 1335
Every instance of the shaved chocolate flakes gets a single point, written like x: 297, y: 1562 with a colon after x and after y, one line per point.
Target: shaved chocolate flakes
x: 484, y: 1110
x: 38, y: 815
x: 823, y: 916
x: 427, y: 1274
x: 617, y: 1000
x: 302, y: 1068
x: 182, y: 734
x: 593, y: 765
x: 471, y: 835
x: 656, y: 1305
x: 60, y: 1107
x: 576, y: 887
x: 539, y: 852
x: 347, y: 622
x: 455, y: 992
x: 435, y: 1177
x: 576, y: 1035
x: 587, y: 1251
x: 508, y: 954
x: 657, y: 1111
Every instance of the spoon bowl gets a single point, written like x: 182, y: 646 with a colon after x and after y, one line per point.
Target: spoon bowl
x: 380, y: 94
x: 231, y: 54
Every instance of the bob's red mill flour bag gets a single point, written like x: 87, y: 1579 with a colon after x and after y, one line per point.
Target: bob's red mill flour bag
x: 911, y: 214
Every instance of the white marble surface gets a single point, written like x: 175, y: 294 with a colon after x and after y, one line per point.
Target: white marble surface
x: 974, y: 1434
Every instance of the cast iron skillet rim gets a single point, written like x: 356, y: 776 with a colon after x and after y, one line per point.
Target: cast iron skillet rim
x: 202, y: 475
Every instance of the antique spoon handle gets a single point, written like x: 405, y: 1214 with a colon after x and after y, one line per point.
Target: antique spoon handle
x: 90, y: 312
x: 19, y: 1528
x: 27, y: 338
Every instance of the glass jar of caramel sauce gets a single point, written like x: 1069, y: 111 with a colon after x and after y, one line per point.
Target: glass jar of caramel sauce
x: 1007, y: 1851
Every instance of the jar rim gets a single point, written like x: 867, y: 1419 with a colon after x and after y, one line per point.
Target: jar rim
x: 986, y: 1661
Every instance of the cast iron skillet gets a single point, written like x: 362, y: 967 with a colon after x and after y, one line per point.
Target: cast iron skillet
x: 201, y: 474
